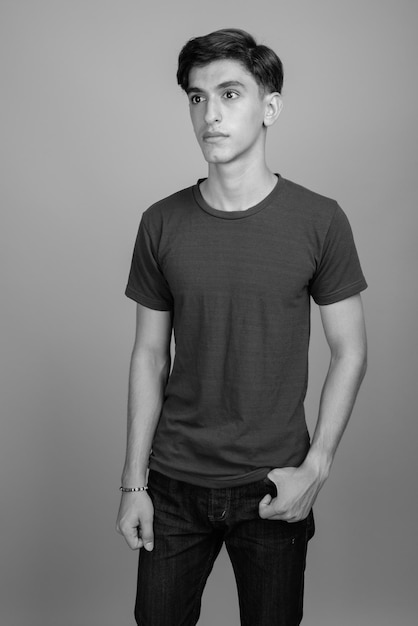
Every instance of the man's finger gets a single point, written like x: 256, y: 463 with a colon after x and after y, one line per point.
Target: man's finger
x: 132, y: 538
x: 266, y: 500
x: 147, y: 535
x: 267, y: 510
x: 264, y: 507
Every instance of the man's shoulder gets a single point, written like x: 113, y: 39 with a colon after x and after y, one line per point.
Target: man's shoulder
x: 172, y: 205
x: 305, y: 198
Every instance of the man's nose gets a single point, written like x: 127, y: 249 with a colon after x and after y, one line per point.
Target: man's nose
x: 213, y: 112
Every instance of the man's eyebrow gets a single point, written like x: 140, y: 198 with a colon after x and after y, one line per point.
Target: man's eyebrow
x: 231, y: 83
x: 224, y: 85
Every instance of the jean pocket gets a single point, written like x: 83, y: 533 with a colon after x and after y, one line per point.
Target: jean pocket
x: 270, y: 487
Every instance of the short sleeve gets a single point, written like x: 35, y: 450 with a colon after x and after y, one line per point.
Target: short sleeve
x: 147, y: 284
x: 338, y: 274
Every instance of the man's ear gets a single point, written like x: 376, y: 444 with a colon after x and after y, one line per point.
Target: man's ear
x: 274, y: 105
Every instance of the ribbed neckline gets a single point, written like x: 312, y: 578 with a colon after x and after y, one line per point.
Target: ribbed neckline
x: 236, y: 215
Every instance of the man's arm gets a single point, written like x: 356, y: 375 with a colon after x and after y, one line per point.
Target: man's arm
x: 149, y: 371
x: 297, y: 488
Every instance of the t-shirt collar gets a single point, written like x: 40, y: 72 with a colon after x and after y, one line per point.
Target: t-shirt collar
x: 235, y: 215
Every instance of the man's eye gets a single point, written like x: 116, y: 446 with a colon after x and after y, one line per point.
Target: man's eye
x: 196, y: 99
x: 230, y: 95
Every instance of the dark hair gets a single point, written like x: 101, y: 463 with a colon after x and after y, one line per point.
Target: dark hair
x: 232, y: 43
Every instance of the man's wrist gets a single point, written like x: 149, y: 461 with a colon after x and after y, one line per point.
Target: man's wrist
x: 134, y: 478
x: 319, y: 462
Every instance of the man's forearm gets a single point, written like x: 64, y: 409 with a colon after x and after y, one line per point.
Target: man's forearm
x: 338, y: 395
x: 147, y: 381
x: 298, y: 487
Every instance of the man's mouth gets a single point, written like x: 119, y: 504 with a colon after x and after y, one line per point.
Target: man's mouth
x: 213, y: 136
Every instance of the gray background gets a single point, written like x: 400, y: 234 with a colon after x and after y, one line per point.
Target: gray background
x: 94, y: 129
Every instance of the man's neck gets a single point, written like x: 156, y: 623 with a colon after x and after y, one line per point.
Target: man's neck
x: 228, y: 188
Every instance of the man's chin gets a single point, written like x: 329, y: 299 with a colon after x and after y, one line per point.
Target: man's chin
x: 216, y: 158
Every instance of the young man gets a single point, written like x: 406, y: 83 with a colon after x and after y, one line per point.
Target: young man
x: 231, y: 264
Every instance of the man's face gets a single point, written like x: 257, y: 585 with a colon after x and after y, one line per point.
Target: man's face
x: 227, y: 111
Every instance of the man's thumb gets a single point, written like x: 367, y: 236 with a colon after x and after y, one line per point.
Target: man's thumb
x: 147, y: 536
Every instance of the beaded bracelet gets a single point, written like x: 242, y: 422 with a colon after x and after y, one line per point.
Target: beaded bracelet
x: 132, y: 489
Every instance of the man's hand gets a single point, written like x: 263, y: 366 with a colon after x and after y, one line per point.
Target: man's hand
x: 297, y: 489
x: 135, y: 518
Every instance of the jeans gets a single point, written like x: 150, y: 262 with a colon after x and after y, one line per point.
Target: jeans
x: 190, y: 525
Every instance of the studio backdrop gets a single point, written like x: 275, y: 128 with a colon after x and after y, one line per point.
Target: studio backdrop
x: 95, y: 129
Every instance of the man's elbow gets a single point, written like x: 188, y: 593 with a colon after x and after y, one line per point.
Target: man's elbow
x: 363, y: 365
x: 358, y: 361
x: 352, y: 358
x: 155, y: 360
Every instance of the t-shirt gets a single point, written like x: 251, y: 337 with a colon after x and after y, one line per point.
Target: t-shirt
x: 239, y: 284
